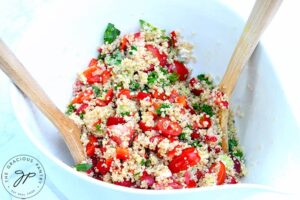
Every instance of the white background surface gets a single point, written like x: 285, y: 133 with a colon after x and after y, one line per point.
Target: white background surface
x: 281, y: 41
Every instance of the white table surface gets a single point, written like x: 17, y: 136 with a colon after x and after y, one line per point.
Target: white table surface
x: 281, y: 41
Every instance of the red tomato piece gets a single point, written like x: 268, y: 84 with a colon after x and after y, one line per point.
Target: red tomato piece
x: 81, y: 108
x: 174, y: 94
x: 147, y: 178
x: 101, y: 103
x: 115, y: 121
x: 103, y: 165
x: 144, y: 127
x: 124, y: 183
x: 174, y: 38
x: 93, y: 62
x: 123, y: 44
x: 158, y: 95
x: 188, y: 158
x: 210, y: 138
x: 109, y: 96
x: 125, y: 92
x: 105, y: 76
x: 90, y: 75
x: 83, y: 96
x: 205, y: 121
x: 172, y: 152
x: 221, y: 170
x: 91, y: 145
x: 181, y: 70
x: 188, y: 181
x: 143, y: 95
x: 162, y: 57
x: 150, y: 68
x: 122, y: 134
x: 192, y: 84
x: 137, y: 35
x: 122, y: 153
x: 168, y: 127
x: 182, y: 100
x: 195, y: 135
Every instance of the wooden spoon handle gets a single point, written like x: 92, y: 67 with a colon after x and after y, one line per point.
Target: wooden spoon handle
x: 261, y: 15
x: 25, y: 82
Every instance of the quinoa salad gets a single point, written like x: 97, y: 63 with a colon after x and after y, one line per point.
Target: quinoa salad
x: 145, y: 122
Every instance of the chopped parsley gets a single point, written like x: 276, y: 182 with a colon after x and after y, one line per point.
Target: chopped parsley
x: 238, y: 154
x: 83, y: 167
x: 96, y: 91
x: 137, y: 174
x: 81, y: 115
x: 232, y: 143
x: 118, y: 85
x: 173, y: 77
x: 205, y: 78
x: 98, y: 127
x: 134, y: 86
x: 70, y: 109
x: 207, y: 109
x: 162, y: 106
x: 125, y: 113
x: 147, y: 26
x: 189, y: 126
x: 115, y: 58
x: 134, y: 48
x: 182, y: 136
x: 111, y: 33
x: 147, y: 163
x: 163, y: 70
x: 152, y: 77
x: 196, y: 143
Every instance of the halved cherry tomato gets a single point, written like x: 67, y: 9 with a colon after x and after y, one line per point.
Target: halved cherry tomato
x: 147, y: 178
x: 143, y: 95
x: 103, y: 165
x: 115, y: 120
x: 181, y: 70
x: 83, y: 96
x: 105, y: 76
x: 122, y: 134
x: 93, y: 62
x: 188, y: 181
x: 221, y: 172
x: 122, y: 153
x: 123, y: 44
x: 188, y: 158
x: 125, y: 92
x: 205, y: 121
x: 168, y: 128
x: 162, y: 57
x: 173, y: 38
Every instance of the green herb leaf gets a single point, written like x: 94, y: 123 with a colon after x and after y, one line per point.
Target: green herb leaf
x: 118, y: 85
x: 162, y: 106
x: 152, y: 77
x: 134, y: 48
x: 111, y: 33
x: 98, y: 127
x: 182, y: 136
x: 147, y: 26
x: 196, y: 106
x: 189, y: 126
x: 125, y: 114
x: 83, y: 167
x: 232, y: 143
x: 203, y: 77
x: 70, y: 109
x: 196, y: 143
x: 163, y: 70
x: 114, y: 59
x: 147, y: 163
x: 238, y: 154
x: 207, y: 109
x: 137, y: 174
x: 134, y: 86
x: 81, y: 115
x: 96, y: 91
x: 173, y: 77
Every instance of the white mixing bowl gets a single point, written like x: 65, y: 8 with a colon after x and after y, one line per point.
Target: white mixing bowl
x: 61, y: 42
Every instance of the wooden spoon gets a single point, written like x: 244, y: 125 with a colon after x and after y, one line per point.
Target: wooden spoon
x: 25, y: 82
x: 261, y: 15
